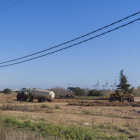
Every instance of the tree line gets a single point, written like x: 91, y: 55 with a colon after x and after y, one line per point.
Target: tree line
x: 123, y: 84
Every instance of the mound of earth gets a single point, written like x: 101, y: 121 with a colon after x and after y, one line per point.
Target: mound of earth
x: 101, y: 103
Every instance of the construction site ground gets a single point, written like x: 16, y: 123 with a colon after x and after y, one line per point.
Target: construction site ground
x: 112, y: 118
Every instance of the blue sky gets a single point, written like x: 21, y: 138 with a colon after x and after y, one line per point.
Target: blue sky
x: 32, y: 26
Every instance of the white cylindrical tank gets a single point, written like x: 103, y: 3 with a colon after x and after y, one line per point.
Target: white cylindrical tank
x: 43, y: 94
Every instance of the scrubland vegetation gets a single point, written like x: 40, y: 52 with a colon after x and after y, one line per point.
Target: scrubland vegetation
x: 22, y: 128
x: 40, y: 121
x: 80, y: 92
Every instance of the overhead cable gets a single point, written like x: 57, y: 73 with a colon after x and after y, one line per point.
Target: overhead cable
x: 10, y: 6
x: 73, y: 44
x: 72, y: 39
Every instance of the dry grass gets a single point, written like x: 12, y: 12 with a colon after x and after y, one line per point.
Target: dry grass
x: 120, y: 122
x: 14, y: 107
x: 101, y: 130
x: 128, y: 128
x: 7, y: 133
x: 27, y: 108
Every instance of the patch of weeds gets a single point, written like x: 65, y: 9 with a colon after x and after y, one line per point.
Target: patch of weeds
x: 23, y: 117
x: 123, y: 137
x: 34, y: 128
x: 20, y: 108
x: 57, y: 107
x: 112, y: 115
x: 45, y: 106
x: 102, y: 126
x: 127, y: 123
x: 134, y: 136
x: 6, y: 107
x: 42, y: 119
x: 107, y: 137
x: 121, y: 130
x: 108, y: 126
x: 12, y: 121
x: 87, y: 112
x: 128, y: 117
x: 49, y: 111
x: 41, y: 126
x: 113, y: 138
x: 101, y: 135
x: 9, y: 101
x: 27, y: 124
x: 134, y: 128
x: 69, y: 132
x: 44, y: 134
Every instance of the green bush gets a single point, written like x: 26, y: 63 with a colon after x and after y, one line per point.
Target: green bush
x: 80, y: 92
x: 7, y: 91
x: 27, y: 124
x: 12, y: 120
x: 95, y: 92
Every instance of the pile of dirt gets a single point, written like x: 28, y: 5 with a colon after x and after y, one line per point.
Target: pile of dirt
x: 68, y: 100
x: 101, y: 103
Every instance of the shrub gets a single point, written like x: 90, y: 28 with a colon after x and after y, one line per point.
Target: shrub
x: 12, y: 121
x: 80, y: 92
x: 134, y: 136
x: 95, y: 92
x: 7, y: 91
x: 27, y: 124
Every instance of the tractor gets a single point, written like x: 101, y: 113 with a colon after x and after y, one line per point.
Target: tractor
x: 121, y: 96
x: 24, y: 94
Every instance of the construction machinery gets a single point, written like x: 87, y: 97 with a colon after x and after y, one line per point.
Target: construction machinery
x: 121, y: 96
x: 41, y: 95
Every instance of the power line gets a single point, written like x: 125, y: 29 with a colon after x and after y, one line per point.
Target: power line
x: 10, y: 5
x: 73, y: 44
x: 72, y: 39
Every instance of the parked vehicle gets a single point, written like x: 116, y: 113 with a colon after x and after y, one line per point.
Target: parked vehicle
x: 41, y: 95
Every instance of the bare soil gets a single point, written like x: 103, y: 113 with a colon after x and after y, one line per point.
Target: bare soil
x: 106, y: 103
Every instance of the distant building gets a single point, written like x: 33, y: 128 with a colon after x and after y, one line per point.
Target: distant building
x: 15, y: 90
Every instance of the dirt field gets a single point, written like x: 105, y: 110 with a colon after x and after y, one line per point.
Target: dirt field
x: 113, y: 119
x: 106, y: 103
